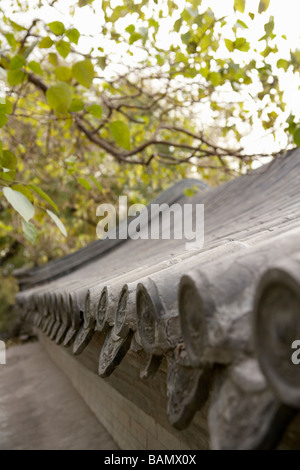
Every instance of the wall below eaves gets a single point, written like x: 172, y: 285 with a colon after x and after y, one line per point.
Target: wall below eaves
x: 128, y: 424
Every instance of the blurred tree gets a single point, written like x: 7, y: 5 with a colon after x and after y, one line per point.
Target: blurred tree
x: 129, y: 116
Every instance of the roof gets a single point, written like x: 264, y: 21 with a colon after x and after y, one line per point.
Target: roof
x: 223, y: 317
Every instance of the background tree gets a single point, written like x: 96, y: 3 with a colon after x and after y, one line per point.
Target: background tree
x: 137, y: 111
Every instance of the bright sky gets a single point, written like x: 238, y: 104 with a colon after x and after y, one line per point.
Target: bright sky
x: 286, y: 14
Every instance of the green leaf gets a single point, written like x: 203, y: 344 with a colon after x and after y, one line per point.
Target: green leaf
x: 177, y: 25
x: 53, y: 59
x: 134, y: 37
x: 15, y: 77
x: 153, y: 23
x: 6, y: 107
x: 263, y: 5
x: 11, y: 40
x: 58, y: 222
x: 76, y: 105
x: 8, y: 160
x: 242, y: 44
x: 35, y: 67
x: 160, y: 60
x: 20, y: 203
x: 101, y: 61
x: 63, y: 73
x: 17, y: 62
x: 3, y: 120
x: 283, y: 64
x: 45, y: 196
x: 73, y: 35
x: 215, y: 78
x: 229, y: 45
x: 292, y: 125
x: 95, y: 110
x: 57, y: 27
x: 83, y: 3
x: 60, y: 97
x: 130, y: 29
x: 9, y: 106
x: 96, y: 183
x: 242, y: 24
x: 24, y: 190
x: 30, y: 232
x: 63, y: 48
x: 252, y: 16
x: 45, y: 43
x: 16, y: 26
x: 186, y: 37
x: 84, y: 183
x: 83, y: 72
x: 297, y: 137
x: 8, y: 175
x: 121, y: 134
x: 8, y: 163
x: 269, y: 27
x: 239, y: 5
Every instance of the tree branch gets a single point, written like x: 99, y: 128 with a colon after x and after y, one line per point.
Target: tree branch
x: 123, y: 156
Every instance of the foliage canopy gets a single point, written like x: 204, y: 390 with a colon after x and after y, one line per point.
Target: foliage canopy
x: 167, y: 89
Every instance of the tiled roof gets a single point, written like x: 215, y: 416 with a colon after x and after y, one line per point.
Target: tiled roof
x: 223, y: 317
